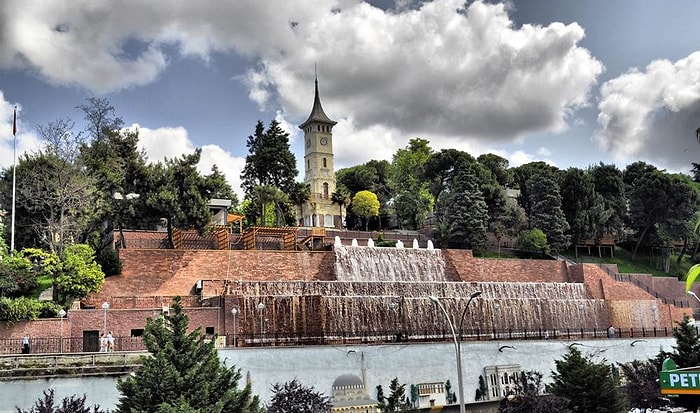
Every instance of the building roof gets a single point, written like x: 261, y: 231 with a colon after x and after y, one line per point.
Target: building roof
x: 348, y: 380
x: 317, y: 113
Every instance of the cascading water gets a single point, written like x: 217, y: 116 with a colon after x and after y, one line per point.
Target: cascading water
x: 388, y: 264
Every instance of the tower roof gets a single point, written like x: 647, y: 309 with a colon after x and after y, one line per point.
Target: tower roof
x: 317, y: 113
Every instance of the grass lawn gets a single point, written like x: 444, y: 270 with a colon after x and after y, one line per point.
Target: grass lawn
x: 643, y: 263
x: 44, y: 283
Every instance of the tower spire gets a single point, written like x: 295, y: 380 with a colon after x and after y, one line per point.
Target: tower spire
x: 317, y: 113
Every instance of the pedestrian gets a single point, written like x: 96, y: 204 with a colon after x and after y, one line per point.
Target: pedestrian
x: 110, y: 341
x: 103, y: 343
x: 25, y: 345
x: 611, y: 331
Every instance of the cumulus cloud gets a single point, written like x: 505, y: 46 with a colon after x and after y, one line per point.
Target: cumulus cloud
x: 653, y: 114
x: 161, y: 143
x: 435, y: 68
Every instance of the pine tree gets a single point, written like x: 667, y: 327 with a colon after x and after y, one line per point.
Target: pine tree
x: 686, y: 354
x: 183, y: 373
x: 396, y: 401
x: 269, y: 160
x: 589, y: 386
x: 293, y: 397
x: 468, y: 212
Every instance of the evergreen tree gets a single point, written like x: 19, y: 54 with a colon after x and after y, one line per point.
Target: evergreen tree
x: 467, y: 212
x: 450, y: 396
x: 183, y: 373
x: 589, y: 386
x: 293, y: 397
x: 546, y: 212
x: 269, y: 160
x: 686, y: 354
x: 396, y: 401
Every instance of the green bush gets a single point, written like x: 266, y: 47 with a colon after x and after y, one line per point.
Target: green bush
x: 108, y: 259
x: 18, y: 309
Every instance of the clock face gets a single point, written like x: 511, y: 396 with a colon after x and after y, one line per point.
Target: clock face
x: 324, y: 141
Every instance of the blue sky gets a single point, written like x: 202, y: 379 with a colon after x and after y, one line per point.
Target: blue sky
x: 572, y: 83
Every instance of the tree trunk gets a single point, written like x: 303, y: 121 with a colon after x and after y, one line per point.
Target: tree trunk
x: 170, y: 233
x: 639, y: 241
x: 685, y: 247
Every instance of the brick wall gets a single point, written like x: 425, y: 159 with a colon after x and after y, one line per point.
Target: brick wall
x: 464, y: 267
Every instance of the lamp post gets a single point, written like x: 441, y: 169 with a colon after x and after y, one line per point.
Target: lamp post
x: 119, y: 197
x: 261, y: 308
x: 61, y: 313
x: 393, y: 306
x: 105, y: 306
x: 234, y: 312
x: 458, y: 349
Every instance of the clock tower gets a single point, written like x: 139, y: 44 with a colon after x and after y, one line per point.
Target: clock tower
x: 319, y: 174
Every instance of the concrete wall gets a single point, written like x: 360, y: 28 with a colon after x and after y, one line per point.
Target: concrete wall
x: 320, y: 366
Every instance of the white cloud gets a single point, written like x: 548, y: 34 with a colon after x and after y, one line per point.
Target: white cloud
x: 652, y: 114
x: 174, y: 142
x: 432, y: 69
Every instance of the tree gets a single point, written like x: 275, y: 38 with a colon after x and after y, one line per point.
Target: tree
x: 546, y: 212
x: 78, y: 274
x: 365, y: 205
x: 589, y: 386
x: 55, y: 201
x: 450, y: 396
x: 293, y: 397
x: 578, y: 201
x: 183, y: 372
x: 642, y: 385
x: 498, y: 167
x: 179, y: 194
x: 412, y: 200
x: 396, y: 401
x: 341, y: 197
x: 533, y: 240
x: 269, y: 160
x: 529, y: 397
x: 467, y: 212
x: 301, y: 192
x: 658, y: 203
x: 686, y: 353
x: 608, y: 183
x: 16, y: 276
x: 72, y: 404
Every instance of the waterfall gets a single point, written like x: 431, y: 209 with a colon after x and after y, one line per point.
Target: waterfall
x: 388, y: 264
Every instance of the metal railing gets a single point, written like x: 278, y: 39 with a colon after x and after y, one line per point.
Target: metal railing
x: 51, y: 345
x: 650, y: 290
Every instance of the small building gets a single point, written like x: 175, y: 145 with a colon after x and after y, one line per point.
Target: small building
x: 431, y: 395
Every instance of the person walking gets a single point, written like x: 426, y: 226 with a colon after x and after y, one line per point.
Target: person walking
x: 110, y: 341
x: 25, y: 345
x: 611, y: 331
x: 103, y: 343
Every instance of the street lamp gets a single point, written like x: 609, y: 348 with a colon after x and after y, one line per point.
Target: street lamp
x: 119, y: 197
x: 234, y: 312
x: 458, y: 349
x: 105, y: 306
x: 694, y: 295
x: 393, y: 306
x: 61, y: 313
x: 261, y: 308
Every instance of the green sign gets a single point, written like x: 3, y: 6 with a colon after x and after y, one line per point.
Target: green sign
x: 678, y: 381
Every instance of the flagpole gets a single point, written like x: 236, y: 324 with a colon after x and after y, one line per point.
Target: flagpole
x: 14, y: 181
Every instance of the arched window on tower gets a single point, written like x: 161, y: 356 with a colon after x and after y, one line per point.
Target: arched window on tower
x: 325, y: 190
x: 324, y: 163
x: 308, y: 164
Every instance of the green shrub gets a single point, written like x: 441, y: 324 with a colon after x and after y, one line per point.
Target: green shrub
x: 18, y: 309
x: 108, y: 259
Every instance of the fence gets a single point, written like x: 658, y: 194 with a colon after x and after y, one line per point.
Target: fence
x: 52, y: 345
